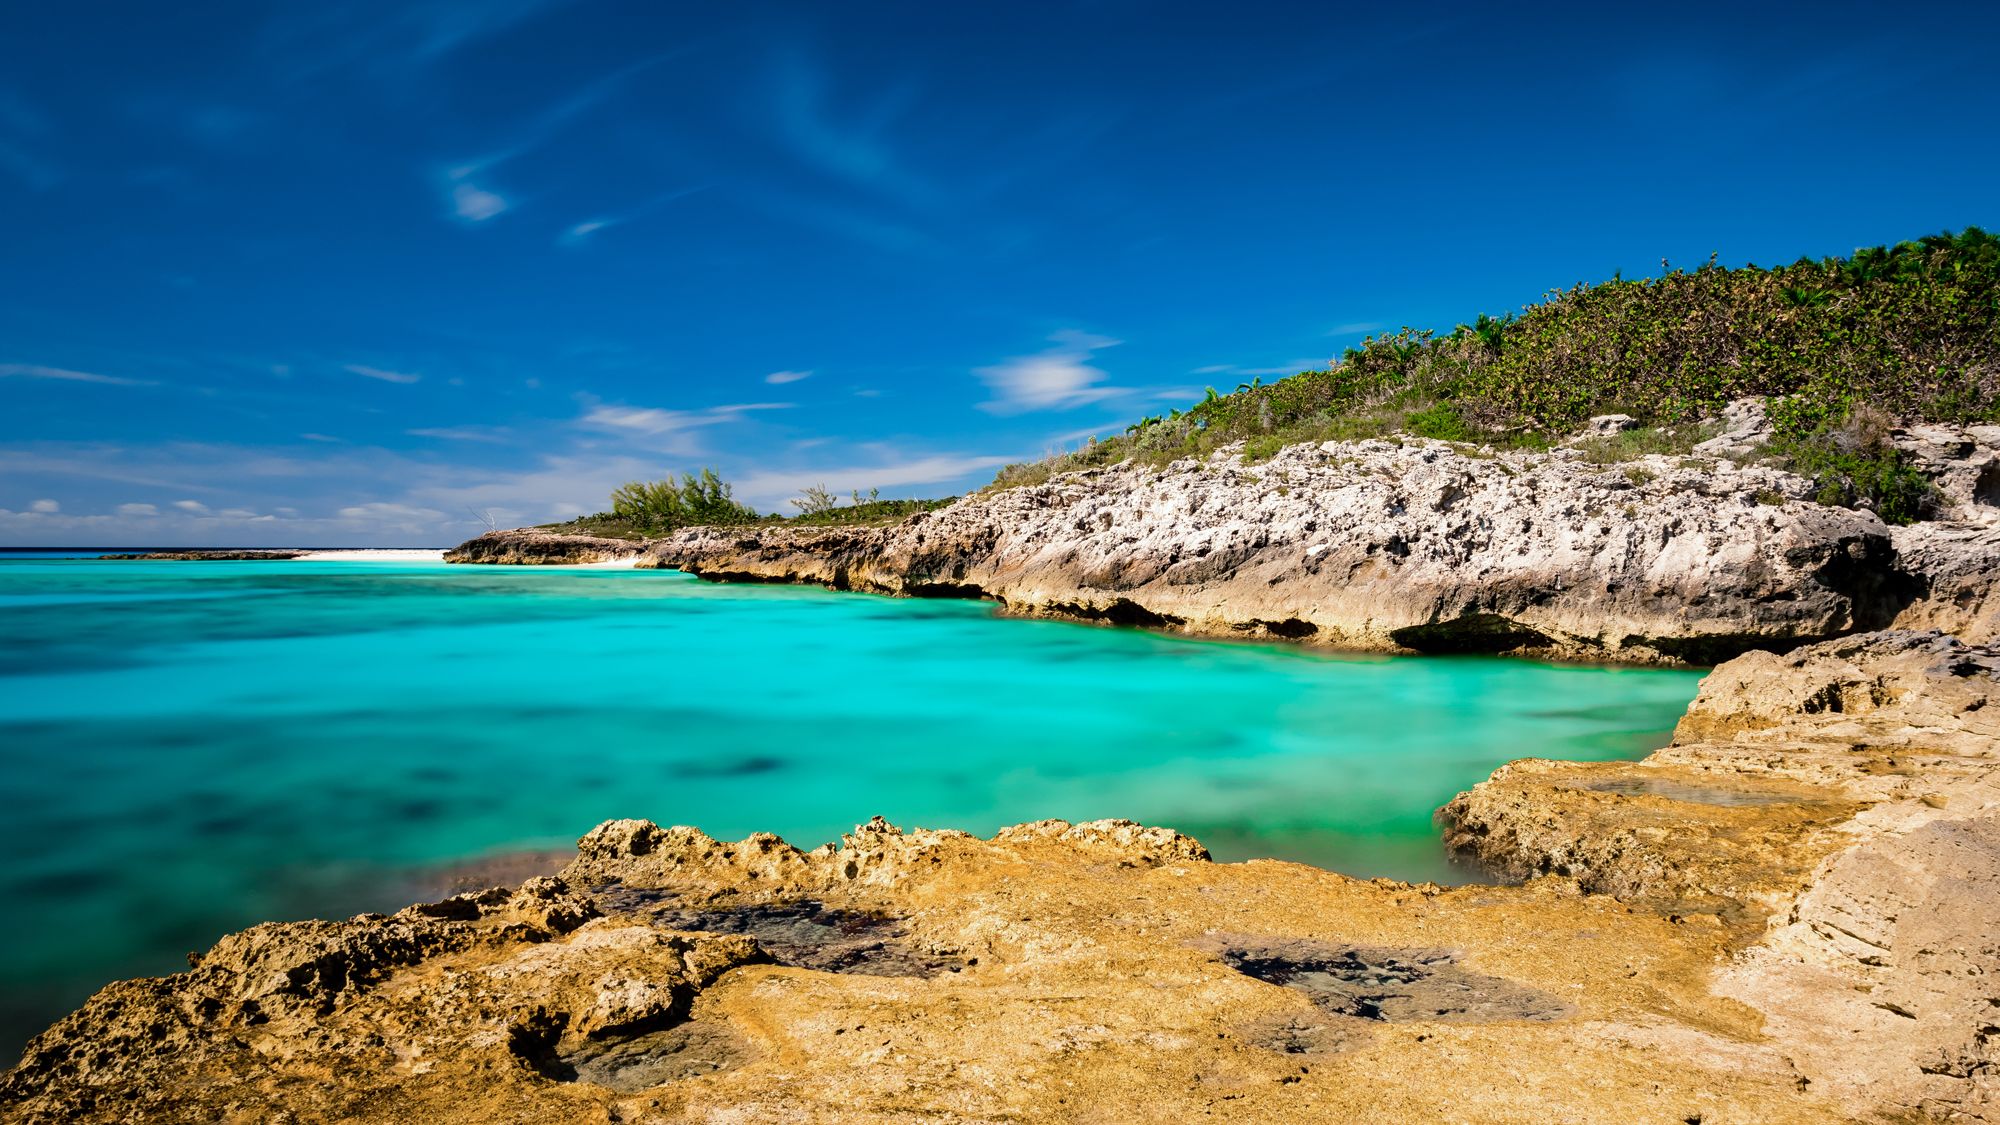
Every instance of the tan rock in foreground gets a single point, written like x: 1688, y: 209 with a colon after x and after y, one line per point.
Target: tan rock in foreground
x: 1799, y: 928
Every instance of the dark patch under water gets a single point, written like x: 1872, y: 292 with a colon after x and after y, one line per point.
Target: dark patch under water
x: 1684, y: 791
x: 802, y: 933
x: 1389, y: 985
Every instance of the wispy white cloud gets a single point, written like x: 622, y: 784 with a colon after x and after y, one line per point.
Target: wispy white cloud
x: 45, y: 506
x: 194, y: 506
x: 475, y: 204
x: 582, y: 232
x: 385, y: 376
x: 1354, y: 328
x: 36, y: 371
x: 497, y: 435
x: 853, y: 147
x: 771, y: 489
x: 787, y: 376
x: 137, y: 510
x: 469, y: 182
x: 1058, y: 378
x: 655, y: 420
x: 381, y: 510
x: 1290, y: 367
x: 319, y: 437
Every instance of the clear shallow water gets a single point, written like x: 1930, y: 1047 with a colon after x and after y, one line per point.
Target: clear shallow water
x: 187, y: 748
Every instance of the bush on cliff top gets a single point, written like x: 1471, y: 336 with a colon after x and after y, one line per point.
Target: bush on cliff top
x: 663, y: 505
x: 864, y: 513
x: 1913, y: 330
x: 643, y: 509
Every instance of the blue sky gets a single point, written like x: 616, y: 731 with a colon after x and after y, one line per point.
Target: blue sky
x: 345, y: 273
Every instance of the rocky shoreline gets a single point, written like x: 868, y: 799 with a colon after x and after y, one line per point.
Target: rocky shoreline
x: 1788, y: 915
x: 1408, y: 545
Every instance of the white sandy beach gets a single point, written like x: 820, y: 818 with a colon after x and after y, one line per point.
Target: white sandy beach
x: 374, y: 554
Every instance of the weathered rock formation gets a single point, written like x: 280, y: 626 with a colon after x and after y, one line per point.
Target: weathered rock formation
x: 1849, y: 792
x: 1385, y: 545
x: 1414, y: 545
x: 1787, y: 916
x: 533, y: 547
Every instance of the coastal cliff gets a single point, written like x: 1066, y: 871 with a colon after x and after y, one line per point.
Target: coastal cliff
x: 1379, y: 545
x: 1786, y: 916
x: 1412, y: 545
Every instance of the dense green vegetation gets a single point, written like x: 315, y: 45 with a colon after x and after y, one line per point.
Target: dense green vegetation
x: 642, y: 509
x: 870, y: 512
x: 663, y: 505
x: 1912, y: 331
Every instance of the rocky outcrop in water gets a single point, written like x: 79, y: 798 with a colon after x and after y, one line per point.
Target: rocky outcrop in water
x: 1416, y: 546
x: 1385, y: 545
x: 533, y: 547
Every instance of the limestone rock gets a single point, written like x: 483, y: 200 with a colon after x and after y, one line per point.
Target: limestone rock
x: 1606, y: 425
x: 1963, y: 463
x: 1746, y: 430
x: 1849, y: 794
x: 1385, y: 545
x: 532, y: 547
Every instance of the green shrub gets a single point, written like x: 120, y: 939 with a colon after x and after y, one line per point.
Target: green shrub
x: 1853, y: 464
x: 871, y: 512
x: 1442, y: 421
x: 663, y: 505
x: 1262, y: 448
x: 1630, y: 445
x: 816, y: 501
x: 605, y: 525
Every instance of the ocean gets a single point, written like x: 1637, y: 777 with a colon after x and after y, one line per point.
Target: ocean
x: 187, y: 748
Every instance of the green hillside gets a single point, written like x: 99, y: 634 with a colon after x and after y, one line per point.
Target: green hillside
x: 1910, y: 331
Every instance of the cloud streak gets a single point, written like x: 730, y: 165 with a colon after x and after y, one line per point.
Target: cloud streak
x: 1058, y: 378
x: 36, y: 371
x: 380, y: 374
x: 494, y: 435
x: 771, y: 489
x: 655, y: 420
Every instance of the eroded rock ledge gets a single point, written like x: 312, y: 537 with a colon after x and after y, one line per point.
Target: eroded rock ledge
x: 1838, y: 808
x: 1787, y: 916
x: 532, y: 547
x: 1403, y: 545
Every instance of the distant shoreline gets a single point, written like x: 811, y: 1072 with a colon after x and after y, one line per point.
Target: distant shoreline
x: 264, y: 554
x: 156, y: 549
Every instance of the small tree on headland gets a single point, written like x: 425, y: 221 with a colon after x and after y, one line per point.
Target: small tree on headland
x: 814, y: 500
x: 664, y: 505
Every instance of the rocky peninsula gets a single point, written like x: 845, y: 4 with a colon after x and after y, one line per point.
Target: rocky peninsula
x: 1413, y: 545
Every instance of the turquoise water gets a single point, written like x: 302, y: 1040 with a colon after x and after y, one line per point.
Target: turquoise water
x: 187, y: 748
